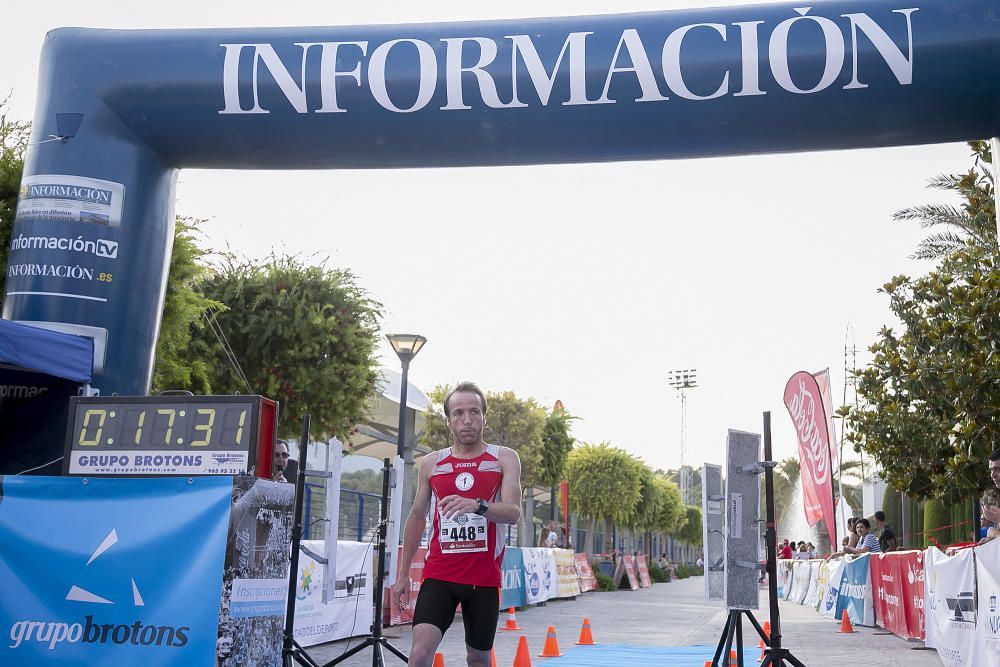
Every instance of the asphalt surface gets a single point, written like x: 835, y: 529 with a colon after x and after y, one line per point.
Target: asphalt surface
x: 671, y: 614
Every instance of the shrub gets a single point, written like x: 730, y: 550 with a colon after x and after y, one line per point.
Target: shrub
x: 658, y: 574
x: 604, y: 582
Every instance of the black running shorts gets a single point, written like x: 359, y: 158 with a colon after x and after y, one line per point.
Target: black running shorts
x: 437, y: 601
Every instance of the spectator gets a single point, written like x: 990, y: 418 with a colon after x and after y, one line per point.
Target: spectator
x: 280, y: 462
x: 852, y: 536
x: 552, y: 537
x: 866, y: 541
x: 811, y: 548
x: 803, y: 552
x: 886, y: 538
x: 785, y: 551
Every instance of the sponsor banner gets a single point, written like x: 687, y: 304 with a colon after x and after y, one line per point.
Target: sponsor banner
x: 398, y: 616
x: 512, y: 594
x: 111, y: 571
x: 163, y: 462
x: 987, y: 641
x: 567, y: 584
x: 349, y: 613
x: 804, y: 401
x: 784, y: 577
x: 584, y: 573
x: 831, y: 595
x: 897, y: 579
x: 812, y: 593
x: 801, y: 572
x: 257, y: 562
x: 855, y: 593
x: 950, y: 606
x: 643, y: 568
x: 540, y: 580
x: 626, y: 567
x: 63, y: 198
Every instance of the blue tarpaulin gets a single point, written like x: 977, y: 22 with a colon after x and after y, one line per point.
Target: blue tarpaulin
x: 603, y: 655
x: 50, y: 352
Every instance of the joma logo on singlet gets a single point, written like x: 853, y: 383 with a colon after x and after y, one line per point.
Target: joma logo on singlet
x: 466, y: 465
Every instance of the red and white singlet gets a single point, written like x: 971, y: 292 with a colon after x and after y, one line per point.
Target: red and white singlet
x: 465, y: 550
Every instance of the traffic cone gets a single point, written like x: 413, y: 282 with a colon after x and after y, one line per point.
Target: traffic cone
x: 845, y: 623
x: 586, y: 639
x: 551, y: 648
x: 522, y: 658
x: 767, y: 633
x: 493, y: 658
x: 438, y: 660
x: 511, y: 622
x: 732, y: 658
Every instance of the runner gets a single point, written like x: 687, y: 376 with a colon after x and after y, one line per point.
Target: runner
x: 469, y: 489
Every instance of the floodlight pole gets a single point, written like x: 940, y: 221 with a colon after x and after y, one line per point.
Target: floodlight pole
x: 682, y: 380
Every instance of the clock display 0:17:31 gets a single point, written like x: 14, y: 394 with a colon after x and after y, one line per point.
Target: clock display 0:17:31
x: 220, y: 426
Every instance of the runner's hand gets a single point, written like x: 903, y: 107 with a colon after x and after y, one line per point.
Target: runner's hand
x: 400, y: 595
x: 453, y: 505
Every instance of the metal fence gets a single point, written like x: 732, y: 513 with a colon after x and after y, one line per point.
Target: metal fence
x: 359, y: 513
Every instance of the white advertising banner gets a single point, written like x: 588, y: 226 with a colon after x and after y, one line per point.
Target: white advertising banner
x: 784, y: 578
x: 831, y: 592
x: 800, y: 581
x: 812, y: 595
x: 950, y: 606
x: 541, y: 581
x: 987, y: 644
x: 349, y: 613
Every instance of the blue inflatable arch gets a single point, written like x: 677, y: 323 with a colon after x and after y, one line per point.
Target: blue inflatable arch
x: 120, y: 112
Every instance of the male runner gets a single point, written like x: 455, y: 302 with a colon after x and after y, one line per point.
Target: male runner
x: 469, y: 489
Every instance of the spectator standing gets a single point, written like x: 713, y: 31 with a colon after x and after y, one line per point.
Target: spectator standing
x: 785, y: 551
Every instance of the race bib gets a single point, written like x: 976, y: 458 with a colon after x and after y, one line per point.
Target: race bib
x: 464, y: 534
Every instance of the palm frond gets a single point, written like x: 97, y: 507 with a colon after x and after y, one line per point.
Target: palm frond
x: 933, y: 215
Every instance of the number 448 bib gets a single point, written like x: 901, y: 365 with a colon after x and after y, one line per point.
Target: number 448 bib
x: 465, y: 533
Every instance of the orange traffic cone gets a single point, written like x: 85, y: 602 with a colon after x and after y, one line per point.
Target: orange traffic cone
x: 493, y: 658
x: 845, y: 623
x: 551, y: 648
x: 732, y: 658
x: 511, y: 622
x: 438, y: 660
x: 767, y: 633
x: 586, y: 639
x: 522, y: 658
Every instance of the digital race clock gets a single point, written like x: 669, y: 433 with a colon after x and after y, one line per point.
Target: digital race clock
x: 170, y: 435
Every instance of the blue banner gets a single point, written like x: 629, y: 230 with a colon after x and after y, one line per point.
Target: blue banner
x: 512, y: 593
x: 855, y: 593
x: 111, y: 571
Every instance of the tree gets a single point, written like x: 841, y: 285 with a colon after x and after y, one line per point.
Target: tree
x: 13, y: 146
x: 556, y: 446
x: 974, y: 222
x: 304, y: 335
x: 690, y: 532
x: 185, y: 308
x: 604, y: 483
x: 931, y: 403
x: 930, y: 408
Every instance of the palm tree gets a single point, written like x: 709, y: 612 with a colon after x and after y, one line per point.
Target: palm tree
x: 974, y: 222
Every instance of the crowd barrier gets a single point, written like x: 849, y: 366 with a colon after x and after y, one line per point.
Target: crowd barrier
x: 948, y: 601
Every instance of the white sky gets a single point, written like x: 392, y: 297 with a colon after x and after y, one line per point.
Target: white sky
x: 584, y: 283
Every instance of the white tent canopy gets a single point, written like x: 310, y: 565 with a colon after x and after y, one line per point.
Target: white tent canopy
x: 378, y: 433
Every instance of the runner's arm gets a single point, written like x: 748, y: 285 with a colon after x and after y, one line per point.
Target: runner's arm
x: 413, y: 529
x: 508, y: 510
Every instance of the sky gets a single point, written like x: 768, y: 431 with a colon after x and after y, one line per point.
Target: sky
x: 582, y: 283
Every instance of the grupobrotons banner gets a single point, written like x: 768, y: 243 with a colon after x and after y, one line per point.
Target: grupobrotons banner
x: 950, y: 606
x: 111, y: 571
x: 804, y: 401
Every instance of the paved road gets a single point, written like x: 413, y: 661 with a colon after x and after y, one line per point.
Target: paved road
x: 673, y: 614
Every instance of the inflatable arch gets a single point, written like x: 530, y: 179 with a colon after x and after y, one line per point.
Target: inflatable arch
x: 120, y: 112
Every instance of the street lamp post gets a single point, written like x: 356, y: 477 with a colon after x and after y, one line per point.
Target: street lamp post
x: 406, y: 347
x: 682, y: 380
